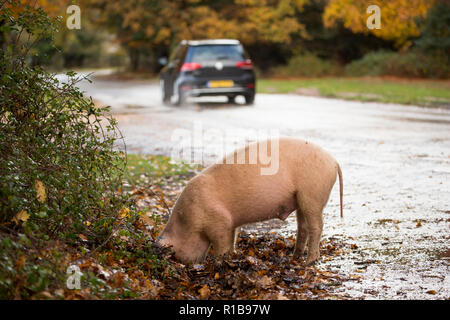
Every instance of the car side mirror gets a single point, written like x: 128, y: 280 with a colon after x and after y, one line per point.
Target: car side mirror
x: 162, y: 61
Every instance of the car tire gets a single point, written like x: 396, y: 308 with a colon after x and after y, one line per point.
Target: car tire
x: 165, y: 96
x: 179, y: 100
x: 166, y: 100
x: 249, y: 98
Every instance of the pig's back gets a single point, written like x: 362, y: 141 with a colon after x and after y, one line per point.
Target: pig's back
x: 249, y: 195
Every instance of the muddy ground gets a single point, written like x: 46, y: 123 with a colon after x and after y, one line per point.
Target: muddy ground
x: 395, y: 160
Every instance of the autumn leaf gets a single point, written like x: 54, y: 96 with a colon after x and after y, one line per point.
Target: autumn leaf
x: 281, y: 296
x: 204, y: 292
x: 147, y: 220
x: 21, y: 216
x: 265, y: 282
x: 82, y: 237
x: 124, y: 213
x: 252, y: 260
x: 41, y: 195
x: 20, y: 262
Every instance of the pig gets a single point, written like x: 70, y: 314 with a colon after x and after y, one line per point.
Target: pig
x: 223, y: 197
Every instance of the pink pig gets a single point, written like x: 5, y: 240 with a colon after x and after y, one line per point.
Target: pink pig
x: 225, y: 196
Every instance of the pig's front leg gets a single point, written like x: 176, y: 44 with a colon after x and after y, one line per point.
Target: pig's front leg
x: 221, y: 233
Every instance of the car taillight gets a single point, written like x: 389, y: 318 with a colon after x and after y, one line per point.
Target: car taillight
x: 247, y: 64
x: 190, y: 66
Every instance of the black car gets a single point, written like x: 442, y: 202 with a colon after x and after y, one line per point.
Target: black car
x: 217, y: 67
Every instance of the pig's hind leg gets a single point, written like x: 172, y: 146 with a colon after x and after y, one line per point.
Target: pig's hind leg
x: 302, y: 235
x: 311, y: 210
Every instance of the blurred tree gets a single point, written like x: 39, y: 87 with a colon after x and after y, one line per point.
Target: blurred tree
x: 347, y: 46
x: 65, y: 48
x: 76, y: 48
x: 152, y: 26
x: 21, y: 35
x: 436, y: 32
x: 399, y: 18
x: 51, y: 7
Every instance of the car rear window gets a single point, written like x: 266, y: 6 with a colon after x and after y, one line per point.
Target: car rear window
x: 215, y: 53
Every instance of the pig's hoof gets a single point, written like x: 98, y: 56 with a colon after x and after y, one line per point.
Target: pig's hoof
x: 311, y: 261
x: 299, y: 254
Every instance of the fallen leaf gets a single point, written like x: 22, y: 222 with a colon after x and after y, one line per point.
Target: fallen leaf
x: 41, y: 195
x: 265, y: 282
x: 21, y: 216
x: 204, y: 292
x: 20, y: 262
x: 431, y: 292
x: 419, y: 224
x: 118, y: 278
x: 82, y: 237
x: 124, y: 212
x: 59, y: 293
x: 252, y: 260
x: 147, y: 220
x: 281, y: 296
x: 46, y: 294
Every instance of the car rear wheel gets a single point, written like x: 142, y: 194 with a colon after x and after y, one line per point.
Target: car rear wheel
x: 165, y: 96
x: 179, y: 99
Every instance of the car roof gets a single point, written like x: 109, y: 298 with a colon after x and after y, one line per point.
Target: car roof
x: 210, y: 42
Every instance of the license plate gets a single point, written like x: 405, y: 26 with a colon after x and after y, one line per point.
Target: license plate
x: 220, y: 84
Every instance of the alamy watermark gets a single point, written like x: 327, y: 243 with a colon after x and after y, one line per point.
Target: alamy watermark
x: 74, y: 277
x: 374, y: 20
x: 74, y: 19
x: 213, y: 145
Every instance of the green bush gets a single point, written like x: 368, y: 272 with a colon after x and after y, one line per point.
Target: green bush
x: 372, y: 64
x: 59, y: 170
x: 61, y: 195
x: 306, y: 65
x: 414, y: 63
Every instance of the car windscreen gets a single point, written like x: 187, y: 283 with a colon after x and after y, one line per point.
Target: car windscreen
x: 215, y: 53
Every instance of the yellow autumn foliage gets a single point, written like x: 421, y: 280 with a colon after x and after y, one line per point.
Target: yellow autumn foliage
x: 399, y: 18
x: 145, y: 24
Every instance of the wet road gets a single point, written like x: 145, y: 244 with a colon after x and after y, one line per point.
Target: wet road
x: 395, y: 161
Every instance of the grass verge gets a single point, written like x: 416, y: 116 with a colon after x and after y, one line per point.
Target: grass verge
x: 427, y: 93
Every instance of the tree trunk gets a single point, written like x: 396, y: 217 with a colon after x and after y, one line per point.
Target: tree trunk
x: 134, y: 59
